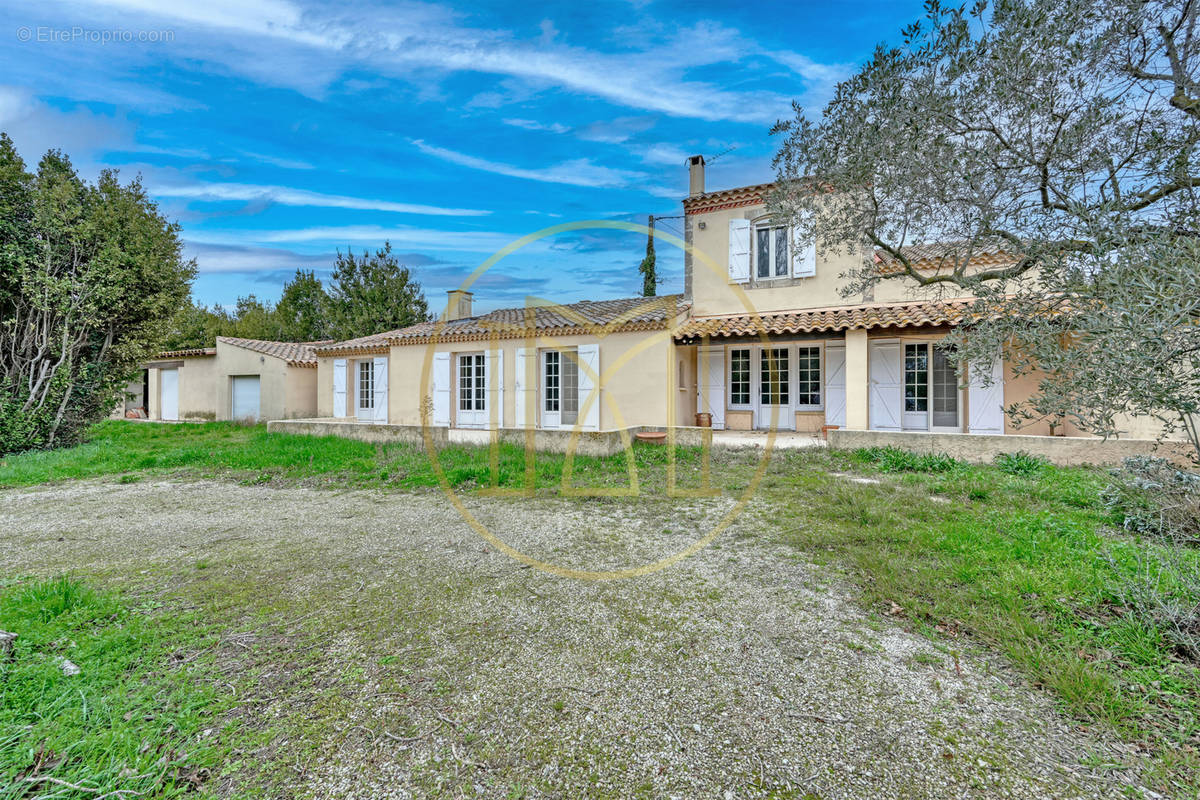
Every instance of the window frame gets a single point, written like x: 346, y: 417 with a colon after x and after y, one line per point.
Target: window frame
x: 473, y: 379
x: 776, y: 233
x: 729, y: 379
x: 820, y: 377
x: 365, y: 385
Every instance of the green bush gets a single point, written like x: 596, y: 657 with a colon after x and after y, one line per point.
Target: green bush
x: 1021, y: 464
x: 893, y: 459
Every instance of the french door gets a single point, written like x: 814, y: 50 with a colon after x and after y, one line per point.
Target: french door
x: 775, y: 388
x: 560, y: 389
x: 472, y: 391
x: 365, y: 403
x: 932, y: 397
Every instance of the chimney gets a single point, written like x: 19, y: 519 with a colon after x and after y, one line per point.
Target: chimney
x: 458, y: 304
x: 695, y: 176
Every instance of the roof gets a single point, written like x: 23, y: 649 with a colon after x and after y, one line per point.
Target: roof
x: 934, y: 255
x: 194, y: 352
x: 296, y: 354
x: 893, y: 315
x: 728, y: 198
x: 627, y: 314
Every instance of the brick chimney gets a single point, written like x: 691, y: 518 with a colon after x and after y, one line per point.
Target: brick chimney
x: 695, y: 176
x: 458, y: 304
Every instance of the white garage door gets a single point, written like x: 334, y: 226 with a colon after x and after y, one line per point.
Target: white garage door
x: 168, y: 393
x: 245, y: 397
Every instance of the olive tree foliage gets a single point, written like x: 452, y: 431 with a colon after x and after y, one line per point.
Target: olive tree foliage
x: 1063, y: 134
x: 90, y: 275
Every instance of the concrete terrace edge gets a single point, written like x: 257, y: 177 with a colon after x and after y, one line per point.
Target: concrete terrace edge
x: 983, y: 448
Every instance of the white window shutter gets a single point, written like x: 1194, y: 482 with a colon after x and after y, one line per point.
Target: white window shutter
x: 339, y: 387
x: 986, y: 402
x: 494, y: 375
x: 835, y: 386
x: 524, y: 385
x: 710, y: 399
x: 381, y: 388
x: 887, y: 369
x: 804, y: 255
x: 739, y: 250
x: 589, y: 386
x: 441, y: 390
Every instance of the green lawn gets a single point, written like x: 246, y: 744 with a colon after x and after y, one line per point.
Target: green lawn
x: 1024, y: 561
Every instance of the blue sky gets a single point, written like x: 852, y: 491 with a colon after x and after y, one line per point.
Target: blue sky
x: 277, y: 132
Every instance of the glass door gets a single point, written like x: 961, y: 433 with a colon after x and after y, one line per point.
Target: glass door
x: 551, y: 389
x: 472, y: 391
x: 774, y: 389
x: 931, y: 391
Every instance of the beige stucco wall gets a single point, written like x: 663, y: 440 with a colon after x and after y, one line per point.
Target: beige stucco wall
x: 206, y: 387
x: 640, y: 385
x: 713, y: 293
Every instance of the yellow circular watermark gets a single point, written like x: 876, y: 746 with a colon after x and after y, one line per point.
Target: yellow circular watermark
x: 528, y: 332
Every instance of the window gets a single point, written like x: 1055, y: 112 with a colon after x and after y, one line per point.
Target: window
x: 808, y: 374
x: 471, y: 389
x: 739, y: 377
x: 773, y: 382
x: 366, y: 384
x: 916, y: 377
x: 550, y: 392
x: 771, y: 251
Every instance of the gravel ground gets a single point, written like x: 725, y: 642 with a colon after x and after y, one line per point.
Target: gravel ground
x: 447, y: 669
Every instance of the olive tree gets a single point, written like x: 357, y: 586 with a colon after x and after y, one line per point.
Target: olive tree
x: 90, y: 275
x: 1060, y: 135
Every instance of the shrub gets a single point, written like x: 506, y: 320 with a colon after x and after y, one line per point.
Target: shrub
x: 893, y: 459
x: 1152, y: 497
x: 1162, y: 593
x: 1021, y: 464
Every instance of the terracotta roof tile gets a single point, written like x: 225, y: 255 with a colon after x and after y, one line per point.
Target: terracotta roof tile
x: 899, y: 315
x: 727, y: 198
x: 296, y: 354
x: 627, y: 314
x: 934, y: 255
x: 194, y: 352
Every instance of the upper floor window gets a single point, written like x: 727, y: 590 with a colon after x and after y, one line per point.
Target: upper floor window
x: 771, y: 251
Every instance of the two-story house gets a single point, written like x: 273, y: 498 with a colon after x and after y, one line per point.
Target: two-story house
x: 762, y: 337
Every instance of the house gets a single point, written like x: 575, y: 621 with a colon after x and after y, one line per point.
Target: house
x: 761, y: 338
x: 535, y: 366
x: 238, y: 379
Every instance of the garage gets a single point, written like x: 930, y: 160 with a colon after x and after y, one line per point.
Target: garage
x: 245, y: 404
x: 169, y: 394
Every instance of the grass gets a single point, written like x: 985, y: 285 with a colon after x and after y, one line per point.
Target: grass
x: 129, y: 723
x: 1020, y: 556
x: 248, y: 453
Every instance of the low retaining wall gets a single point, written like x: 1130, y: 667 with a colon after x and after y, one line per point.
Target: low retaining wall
x: 982, y: 448
x: 585, y: 443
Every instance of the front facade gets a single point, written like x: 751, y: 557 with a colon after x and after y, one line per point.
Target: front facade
x: 238, y: 379
x: 762, y: 338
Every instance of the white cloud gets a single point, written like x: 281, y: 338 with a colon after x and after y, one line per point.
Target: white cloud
x: 284, y: 195
x: 402, y: 237
x: 534, y: 125
x: 576, y: 172
x: 418, y: 36
x: 35, y: 127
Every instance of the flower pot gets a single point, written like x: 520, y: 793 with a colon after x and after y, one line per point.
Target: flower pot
x: 704, y: 420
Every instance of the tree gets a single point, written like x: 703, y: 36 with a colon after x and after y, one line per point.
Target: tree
x: 373, y: 293
x: 90, y: 277
x: 648, y: 266
x: 196, y: 326
x: 1063, y: 133
x: 303, y: 309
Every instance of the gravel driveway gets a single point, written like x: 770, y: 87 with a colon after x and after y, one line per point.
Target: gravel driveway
x: 447, y: 669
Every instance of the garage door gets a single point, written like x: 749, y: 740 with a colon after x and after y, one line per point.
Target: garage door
x: 168, y: 393
x: 245, y: 397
